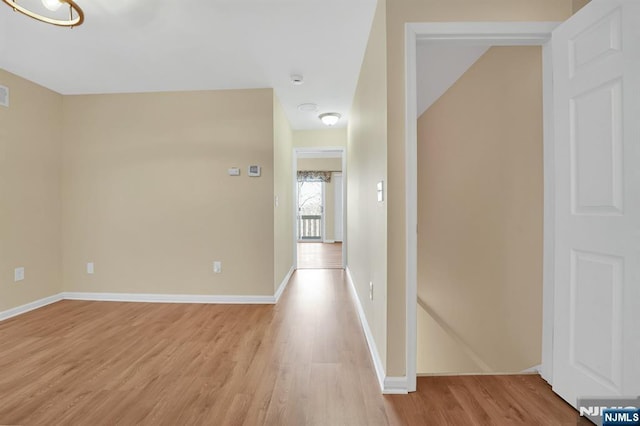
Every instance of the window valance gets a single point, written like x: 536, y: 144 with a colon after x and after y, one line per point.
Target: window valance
x: 314, y: 176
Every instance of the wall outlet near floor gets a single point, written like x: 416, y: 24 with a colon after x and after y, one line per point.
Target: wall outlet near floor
x: 89, y: 267
x: 217, y: 267
x: 18, y: 274
x: 370, y: 290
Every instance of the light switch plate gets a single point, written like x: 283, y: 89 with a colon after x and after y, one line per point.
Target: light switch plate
x: 90, y: 269
x: 4, y: 96
x: 18, y: 274
x: 234, y: 171
x: 380, y: 190
x: 217, y: 267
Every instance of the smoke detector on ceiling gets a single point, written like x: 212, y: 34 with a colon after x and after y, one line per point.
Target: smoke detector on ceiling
x: 308, y: 107
x: 297, y: 79
x: 4, y: 96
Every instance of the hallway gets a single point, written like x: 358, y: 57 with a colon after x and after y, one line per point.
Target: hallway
x: 319, y: 255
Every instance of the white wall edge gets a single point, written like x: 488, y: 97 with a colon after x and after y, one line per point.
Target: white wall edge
x: 548, y: 257
x: 373, y: 350
x: 169, y: 298
x: 13, y: 312
x: 283, y: 285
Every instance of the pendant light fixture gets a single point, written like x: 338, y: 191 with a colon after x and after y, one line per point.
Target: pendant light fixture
x: 76, y: 16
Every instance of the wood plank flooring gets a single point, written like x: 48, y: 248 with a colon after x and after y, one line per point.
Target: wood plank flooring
x: 302, y: 362
x: 319, y: 255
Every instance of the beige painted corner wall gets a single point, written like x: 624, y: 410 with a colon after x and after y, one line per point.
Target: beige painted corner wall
x: 438, y: 351
x: 325, y: 165
x: 147, y: 197
x: 329, y: 137
x: 283, y: 193
x: 367, y: 165
x: 398, y: 13
x: 30, y: 145
x: 480, y: 212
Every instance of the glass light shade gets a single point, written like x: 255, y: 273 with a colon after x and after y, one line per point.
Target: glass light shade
x: 52, y: 5
x: 330, y: 118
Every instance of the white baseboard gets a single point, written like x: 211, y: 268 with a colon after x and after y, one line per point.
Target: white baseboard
x: 395, y: 385
x: 481, y: 373
x: 10, y: 313
x: 283, y: 285
x: 149, y: 298
x: 388, y: 385
x: 168, y: 298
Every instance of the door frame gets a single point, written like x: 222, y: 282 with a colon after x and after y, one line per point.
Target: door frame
x: 320, y: 151
x: 488, y: 34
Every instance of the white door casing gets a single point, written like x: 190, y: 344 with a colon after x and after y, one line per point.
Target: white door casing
x: 596, y: 61
x: 338, y: 225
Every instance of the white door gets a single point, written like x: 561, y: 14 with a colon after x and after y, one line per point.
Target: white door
x: 596, y: 77
x: 337, y: 179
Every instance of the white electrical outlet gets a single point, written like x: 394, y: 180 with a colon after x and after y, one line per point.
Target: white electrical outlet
x: 89, y: 267
x: 370, y: 290
x: 18, y: 274
x: 217, y: 267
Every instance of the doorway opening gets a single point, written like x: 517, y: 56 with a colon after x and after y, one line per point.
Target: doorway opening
x: 319, y: 211
x: 487, y: 34
x: 480, y: 180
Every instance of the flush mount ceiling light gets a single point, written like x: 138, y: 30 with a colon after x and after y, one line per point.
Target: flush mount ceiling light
x: 76, y: 16
x: 330, y: 118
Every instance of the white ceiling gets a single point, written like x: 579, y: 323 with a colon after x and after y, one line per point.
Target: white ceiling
x: 439, y: 66
x: 153, y: 45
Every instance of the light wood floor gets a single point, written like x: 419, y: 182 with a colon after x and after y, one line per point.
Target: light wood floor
x: 319, y: 255
x: 302, y: 362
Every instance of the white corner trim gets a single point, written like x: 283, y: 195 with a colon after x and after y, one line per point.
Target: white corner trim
x: 373, y: 350
x: 283, y: 285
x: 10, y: 313
x: 395, y: 385
x: 168, y: 298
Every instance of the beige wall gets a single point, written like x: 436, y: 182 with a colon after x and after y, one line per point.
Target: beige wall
x: 320, y: 164
x: 147, y: 197
x: 325, y: 165
x: 330, y: 137
x: 283, y: 192
x: 439, y: 352
x: 480, y: 210
x: 398, y: 13
x: 30, y: 145
x: 366, y: 166
x: 576, y: 5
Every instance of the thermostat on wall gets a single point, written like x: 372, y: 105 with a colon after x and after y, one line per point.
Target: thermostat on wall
x: 254, y: 171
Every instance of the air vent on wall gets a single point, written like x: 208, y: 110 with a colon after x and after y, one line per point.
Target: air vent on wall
x: 4, y: 96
